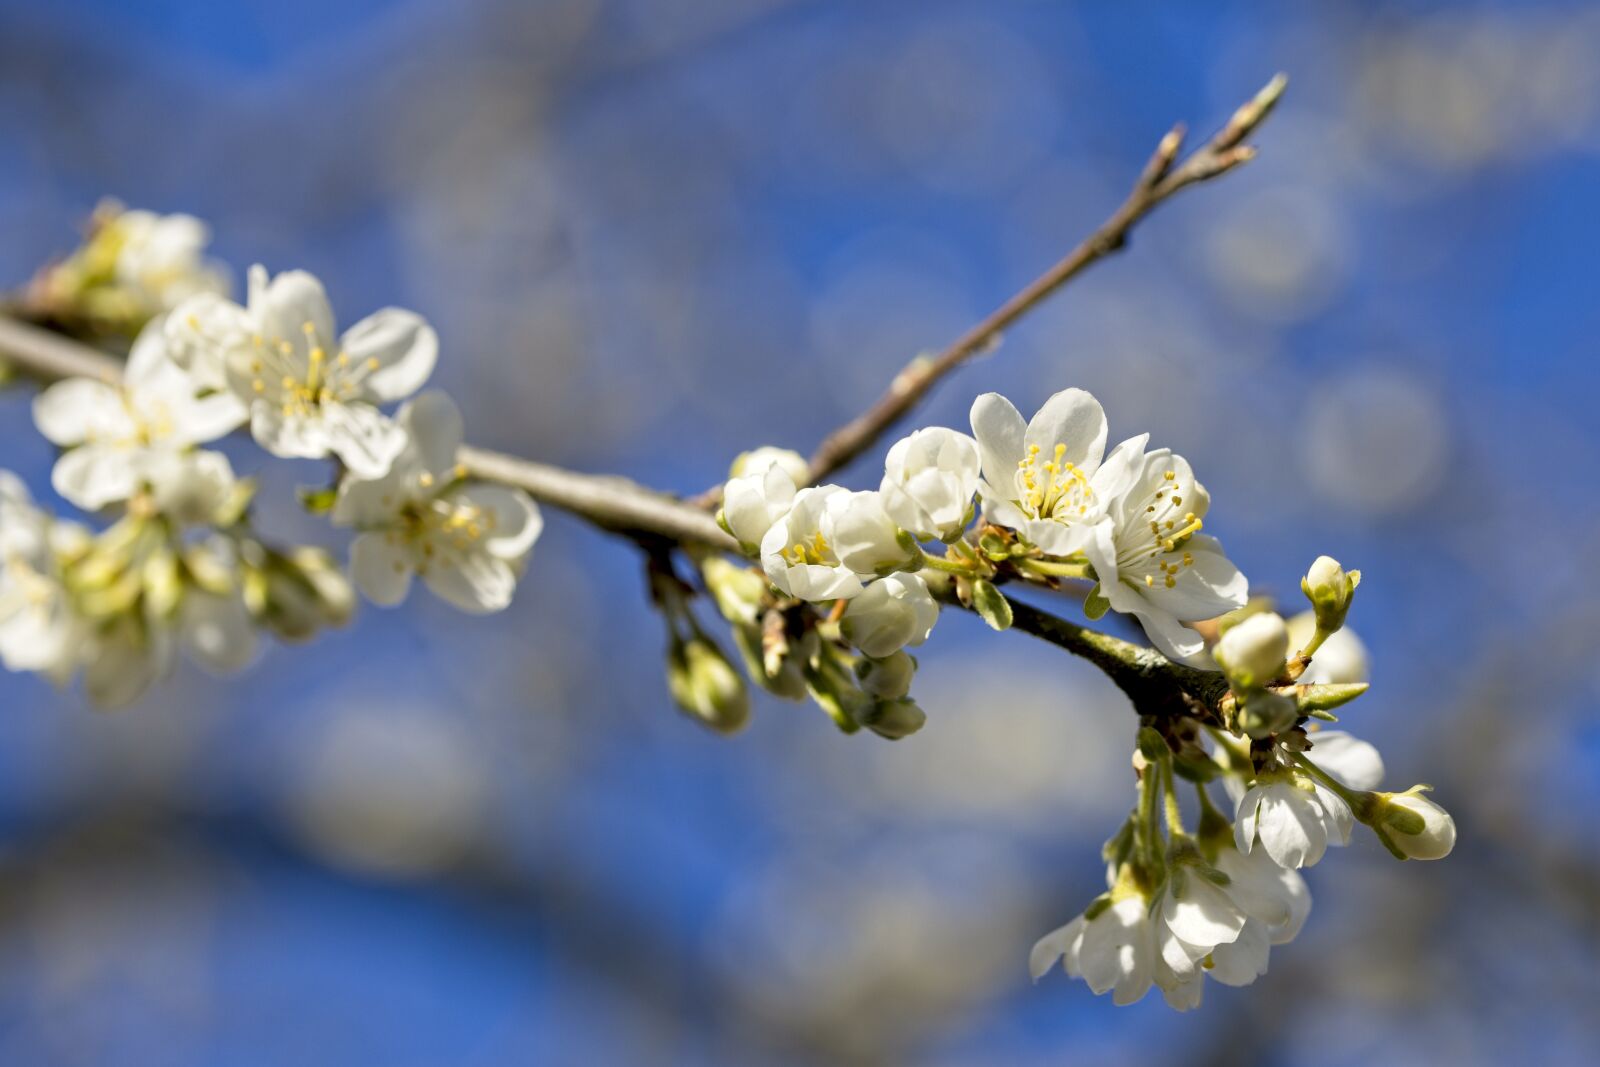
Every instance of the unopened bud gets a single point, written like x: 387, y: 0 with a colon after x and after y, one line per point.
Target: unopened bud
x: 737, y: 590
x: 1411, y: 825
x: 888, y: 678
x: 760, y: 459
x: 1265, y: 713
x: 1253, y: 652
x: 894, y: 719
x: 784, y: 679
x: 1329, y: 588
x: 706, y: 686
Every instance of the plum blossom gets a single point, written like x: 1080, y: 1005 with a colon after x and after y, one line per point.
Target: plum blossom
x: 160, y: 259
x: 1292, y: 817
x: 1157, y: 565
x: 311, y: 391
x: 121, y: 438
x: 890, y: 614
x: 39, y: 628
x: 1044, y: 478
x: 829, y: 541
x: 1111, y: 946
x: 466, y: 541
x: 928, y: 482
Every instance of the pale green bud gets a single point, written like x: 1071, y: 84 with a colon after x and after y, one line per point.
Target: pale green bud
x: 888, y: 678
x: 1265, y: 713
x: 1329, y: 588
x: 1253, y: 652
x: 894, y: 719
x: 706, y: 686
x: 738, y: 591
x: 786, y: 679
x: 1411, y: 825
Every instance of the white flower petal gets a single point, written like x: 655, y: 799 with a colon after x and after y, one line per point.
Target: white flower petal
x: 1244, y: 959
x: 1353, y: 762
x: 473, y: 582
x: 92, y: 476
x: 513, y: 521
x: 1202, y: 913
x: 80, y: 409
x: 1000, y: 431
x: 363, y: 437
x: 218, y: 632
x: 289, y: 436
x: 1073, y: 418
x: 404, y: 347
x: 381, y: 568
x: 1053, y: 946
x: 435, y: 427
x: 286, y: 304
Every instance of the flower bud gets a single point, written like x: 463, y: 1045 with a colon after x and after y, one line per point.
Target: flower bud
x: 1329, y: 589
x: 751, y: 504
x: 1411, y: 825
x: 1265, y: 713
x: 706, y: 686
x: 737, y: 590
x: 894, y: 719
x: 1253, y: 652
x: 889, y: 614
x: 780, y: 674
x: 888, y: 678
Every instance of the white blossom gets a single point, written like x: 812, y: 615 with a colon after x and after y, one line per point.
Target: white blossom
x: 1197, y: 916
x: 1115, y: 951
x: 120, y: 438
x: 752, y: 502
x: 829, y: 540
x: 39, y: 628
x: 1044, y: 478
x: 758, y: 460
x: 1274, y: 896
x: 160, y: 259
x: 928, y: 482
x: 1156, y: 564
x: 466, y: 541
x: 311, y: 391
x: 890, y: 614
x: 1293, y: 818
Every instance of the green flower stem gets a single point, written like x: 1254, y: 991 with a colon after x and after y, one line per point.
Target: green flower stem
x: 1360, y: 801
x: 1148, y: 830
x: 1173, y: 810
x: 950, y: 566
x: 1050, y: 568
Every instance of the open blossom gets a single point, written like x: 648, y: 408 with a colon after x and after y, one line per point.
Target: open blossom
x: 1292, y: 817
x: 467, y: 542
x: 120, y: 438
x: 1196, y: 917
x: 161, y: 258
x: 829, y: 540
x: 1044, y: 478
x: 890, y: 614
x: 1114, y: 951
x: 39, y: 629
x: 1157, y: 565
x: 928, y: 482
x: 311, y: 391
x: 761, y: 492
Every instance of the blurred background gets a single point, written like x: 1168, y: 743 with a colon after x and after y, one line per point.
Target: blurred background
x: 654, y: 233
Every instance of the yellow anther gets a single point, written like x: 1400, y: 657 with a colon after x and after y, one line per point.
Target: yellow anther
x: 373, y: 364
x: 1170, y: 475
x: 1171, y: 581
x: 318, y: 355
x: 1150, y: 580
x: 309, y: 328
x: 288, y: 381
x: 460, y: 470
x: 259, y: 386
x: 425, y: 479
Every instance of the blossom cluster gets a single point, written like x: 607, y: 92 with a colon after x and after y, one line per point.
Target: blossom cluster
x: 181, y: 564
x: 1044, y: 500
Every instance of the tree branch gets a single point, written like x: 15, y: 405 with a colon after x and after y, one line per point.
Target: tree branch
x: 1159, y: 180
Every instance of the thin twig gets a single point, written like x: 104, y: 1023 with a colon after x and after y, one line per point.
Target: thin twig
x: 1159, y: 180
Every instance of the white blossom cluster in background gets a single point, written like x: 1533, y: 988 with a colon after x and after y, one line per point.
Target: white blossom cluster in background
x: 181, y: 564
x: 835, y: 587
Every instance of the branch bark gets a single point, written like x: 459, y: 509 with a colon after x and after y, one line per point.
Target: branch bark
x: 1159, y: 180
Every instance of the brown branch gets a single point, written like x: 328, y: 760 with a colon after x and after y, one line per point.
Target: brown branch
x: 1159, y: 180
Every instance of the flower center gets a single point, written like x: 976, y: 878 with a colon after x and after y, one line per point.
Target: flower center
x: 817, y: 552
x: 1169, y: 530
x: 299, y: 385
x: 1056, y: 489
x: 456, y: 526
